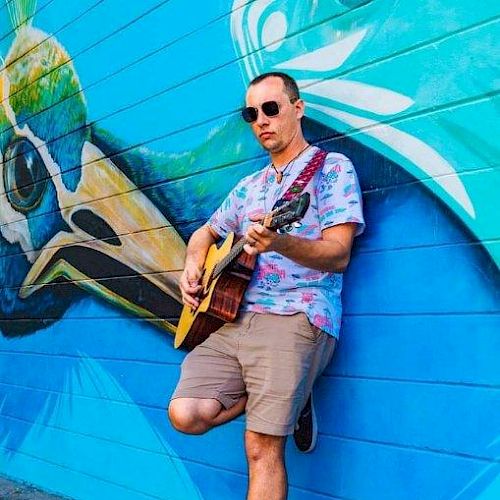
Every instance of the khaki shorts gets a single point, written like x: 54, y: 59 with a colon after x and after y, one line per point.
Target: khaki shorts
x: 274, y: 359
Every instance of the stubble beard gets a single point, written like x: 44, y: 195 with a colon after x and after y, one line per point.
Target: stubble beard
x: 275, y: 147
x: 279, y: 145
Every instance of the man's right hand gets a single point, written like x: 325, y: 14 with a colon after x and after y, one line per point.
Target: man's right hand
x: 190, y: 285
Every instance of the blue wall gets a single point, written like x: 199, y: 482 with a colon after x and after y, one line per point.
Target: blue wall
x: 120, y: 134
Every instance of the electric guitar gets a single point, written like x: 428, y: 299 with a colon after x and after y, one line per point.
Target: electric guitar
x: 225, y: 277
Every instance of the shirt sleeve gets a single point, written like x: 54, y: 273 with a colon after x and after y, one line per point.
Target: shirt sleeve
x: 229, y: 216
x: 338, y: 194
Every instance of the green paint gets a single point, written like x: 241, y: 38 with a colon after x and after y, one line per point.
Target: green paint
x: 21, y: 13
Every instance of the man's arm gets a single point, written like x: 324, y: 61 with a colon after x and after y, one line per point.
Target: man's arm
x: 331, y: 253
x: 199, y: 243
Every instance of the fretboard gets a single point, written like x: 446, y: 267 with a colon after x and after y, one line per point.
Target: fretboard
x: 229, y: 258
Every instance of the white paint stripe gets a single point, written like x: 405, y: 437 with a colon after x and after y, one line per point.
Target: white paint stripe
x: 359, y: 95
x: 415, y: 150
x: 242, y: 39
x: 254, y: 14
x: 25, y: 131
x: 326, y: 58
x: 17, y: 228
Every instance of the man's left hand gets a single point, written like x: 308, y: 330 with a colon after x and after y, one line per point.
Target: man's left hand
x: 260, y: 239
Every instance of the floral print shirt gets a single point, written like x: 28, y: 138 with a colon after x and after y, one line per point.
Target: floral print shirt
x: 279, y: 285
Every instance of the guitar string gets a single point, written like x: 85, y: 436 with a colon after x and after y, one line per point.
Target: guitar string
x: 229, y: 257
x: 235, y: 250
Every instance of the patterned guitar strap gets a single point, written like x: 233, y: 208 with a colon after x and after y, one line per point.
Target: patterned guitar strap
x: 299, y: 184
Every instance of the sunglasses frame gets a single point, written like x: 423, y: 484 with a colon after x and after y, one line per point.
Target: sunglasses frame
x: 245, y: 112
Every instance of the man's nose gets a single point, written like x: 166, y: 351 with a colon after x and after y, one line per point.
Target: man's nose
x: 262, y: 119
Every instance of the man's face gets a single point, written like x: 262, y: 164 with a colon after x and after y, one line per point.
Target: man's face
x: 276, y: 132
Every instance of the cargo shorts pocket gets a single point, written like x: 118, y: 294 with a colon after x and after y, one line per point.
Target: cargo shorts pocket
x: 307, y: 329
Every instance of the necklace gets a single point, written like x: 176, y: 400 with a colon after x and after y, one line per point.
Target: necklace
x: 279, y: 173
x: 278, y: 178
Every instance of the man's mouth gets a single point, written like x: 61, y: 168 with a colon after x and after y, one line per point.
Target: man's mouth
x: 265, y: 135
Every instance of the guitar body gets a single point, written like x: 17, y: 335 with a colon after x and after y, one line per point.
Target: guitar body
x: 227, y: 272
x: 220, y: 297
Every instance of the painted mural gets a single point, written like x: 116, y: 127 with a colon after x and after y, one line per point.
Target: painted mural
x: 120, y: 134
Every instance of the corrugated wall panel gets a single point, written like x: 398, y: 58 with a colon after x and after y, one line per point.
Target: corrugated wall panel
x: 135, y: 137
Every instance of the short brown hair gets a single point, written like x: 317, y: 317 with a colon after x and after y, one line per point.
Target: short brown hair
x: 291, y: 87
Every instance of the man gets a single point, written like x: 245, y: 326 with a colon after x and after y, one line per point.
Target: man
x: 266, y: 362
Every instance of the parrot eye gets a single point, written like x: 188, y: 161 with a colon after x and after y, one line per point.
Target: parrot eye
x: 24, y: 175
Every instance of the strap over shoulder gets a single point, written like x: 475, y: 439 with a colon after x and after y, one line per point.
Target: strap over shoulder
x: 303, y: 179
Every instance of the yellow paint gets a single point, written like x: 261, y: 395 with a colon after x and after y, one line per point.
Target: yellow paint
x: 63, y: 269
x: 150, y: 246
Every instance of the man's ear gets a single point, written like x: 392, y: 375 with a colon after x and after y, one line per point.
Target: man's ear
x: 300, y: 106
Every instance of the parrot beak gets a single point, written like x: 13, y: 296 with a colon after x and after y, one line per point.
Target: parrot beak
x: 120, y: 247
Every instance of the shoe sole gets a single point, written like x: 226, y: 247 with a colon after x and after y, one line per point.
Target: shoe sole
x: 315, y: 428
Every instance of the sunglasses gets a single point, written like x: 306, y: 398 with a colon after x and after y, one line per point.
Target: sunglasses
x: 269, y: 108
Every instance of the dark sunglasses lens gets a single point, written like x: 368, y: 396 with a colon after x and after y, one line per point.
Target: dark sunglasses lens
x: 249, y: 114
x: 270, y: 108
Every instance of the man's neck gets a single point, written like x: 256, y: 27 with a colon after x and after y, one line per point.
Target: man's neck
x: 281, y: 158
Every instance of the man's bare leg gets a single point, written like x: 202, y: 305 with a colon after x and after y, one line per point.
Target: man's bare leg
x: 266, y: 466
x: 196, y: 416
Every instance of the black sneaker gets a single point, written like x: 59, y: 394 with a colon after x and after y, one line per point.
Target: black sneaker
x: 306, y: 429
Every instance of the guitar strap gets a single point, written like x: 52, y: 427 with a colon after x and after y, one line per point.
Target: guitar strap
x: 303, y: 179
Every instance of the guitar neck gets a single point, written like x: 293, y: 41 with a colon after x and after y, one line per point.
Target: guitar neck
x: 284, y: 214
x: 229, y: 258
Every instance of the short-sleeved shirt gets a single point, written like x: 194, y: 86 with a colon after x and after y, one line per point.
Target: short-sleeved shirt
x: 279, y: 285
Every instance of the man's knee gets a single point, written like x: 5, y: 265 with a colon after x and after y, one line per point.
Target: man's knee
x: 183, y: 416
x: 191, y: 416
x: 263, y: 448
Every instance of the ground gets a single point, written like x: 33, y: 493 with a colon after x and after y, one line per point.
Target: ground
x: 15, y: 490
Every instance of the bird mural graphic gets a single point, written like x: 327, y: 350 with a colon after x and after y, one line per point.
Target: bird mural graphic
x: 65, y: 191
x: 86, y: 219
x: 75, y: 208
x: 67, y: 211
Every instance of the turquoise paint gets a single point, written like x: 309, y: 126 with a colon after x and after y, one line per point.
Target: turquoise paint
x: 418, y: 93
